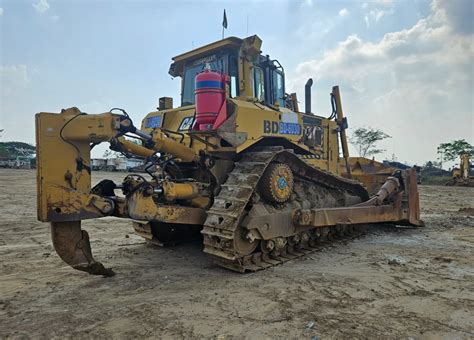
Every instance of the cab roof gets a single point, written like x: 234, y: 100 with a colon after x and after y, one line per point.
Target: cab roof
x: 176, y: 68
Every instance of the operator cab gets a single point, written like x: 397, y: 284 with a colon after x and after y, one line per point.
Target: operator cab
x: 251, y: 74
x: 222, y: 56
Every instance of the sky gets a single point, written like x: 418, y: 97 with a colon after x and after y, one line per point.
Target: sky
x: 406, y: 67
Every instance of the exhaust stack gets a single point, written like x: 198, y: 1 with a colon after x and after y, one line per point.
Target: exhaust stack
x: 307, y: 95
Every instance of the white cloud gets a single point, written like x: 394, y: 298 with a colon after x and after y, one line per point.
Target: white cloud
x: 376, y: 15
x: 42, y: 6
x: 410, y: 83
x: 1, y: 11
x: 343, y: 12
x: 364, y: 5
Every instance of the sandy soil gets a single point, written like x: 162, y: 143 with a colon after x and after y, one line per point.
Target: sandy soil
x: 391, y: 283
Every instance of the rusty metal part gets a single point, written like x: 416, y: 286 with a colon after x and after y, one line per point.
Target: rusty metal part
x: 349, y: 215
x: 65, y: 204
x: 73, y: 247
x: 411, y: 197
x: 242, y: 244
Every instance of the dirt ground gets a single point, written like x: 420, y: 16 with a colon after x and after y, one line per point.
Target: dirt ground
x: 408, y: 283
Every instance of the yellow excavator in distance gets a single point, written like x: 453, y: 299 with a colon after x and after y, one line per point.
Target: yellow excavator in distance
x: 237, y: 162
x: 462, y: 176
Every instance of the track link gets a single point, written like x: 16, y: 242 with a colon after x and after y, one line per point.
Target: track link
x: 222, y: 225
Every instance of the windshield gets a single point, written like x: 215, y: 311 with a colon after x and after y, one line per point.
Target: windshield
x: 217, y: 64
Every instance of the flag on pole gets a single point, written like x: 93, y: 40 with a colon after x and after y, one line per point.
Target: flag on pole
x: 224, y: 20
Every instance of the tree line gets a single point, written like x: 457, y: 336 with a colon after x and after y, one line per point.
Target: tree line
x: 365, y: 141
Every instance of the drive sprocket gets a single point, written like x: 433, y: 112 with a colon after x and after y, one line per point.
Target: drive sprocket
x: 276, y: 184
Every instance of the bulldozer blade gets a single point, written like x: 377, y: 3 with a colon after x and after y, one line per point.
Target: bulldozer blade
x: 73, y: 247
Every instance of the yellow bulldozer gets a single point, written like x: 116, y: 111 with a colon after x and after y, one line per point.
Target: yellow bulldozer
x: 237, y: 162
x: 462, y: 176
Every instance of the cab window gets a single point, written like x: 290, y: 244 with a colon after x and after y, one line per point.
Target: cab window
x: 278, y: 88
x: 226, y: 64
x: 233, y: 73
x: 218, y: 64
x: 190, y: 72
x: 258, y: 84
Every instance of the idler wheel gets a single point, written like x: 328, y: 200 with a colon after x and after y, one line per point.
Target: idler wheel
x: 244, y: 245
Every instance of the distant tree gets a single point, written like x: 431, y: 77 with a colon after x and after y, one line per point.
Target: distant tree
x: 452, y: 150
x: 15, y: 149
x: 432, y: 164
x: 366, y: 139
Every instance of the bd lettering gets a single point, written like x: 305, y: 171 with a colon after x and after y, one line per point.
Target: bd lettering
x: 281, y: 128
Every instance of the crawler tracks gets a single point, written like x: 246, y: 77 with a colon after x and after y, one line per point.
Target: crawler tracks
x: 224, y: 237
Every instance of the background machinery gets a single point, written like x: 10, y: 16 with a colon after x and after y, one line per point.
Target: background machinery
x: 461, y: 176
x: 236, y: 162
